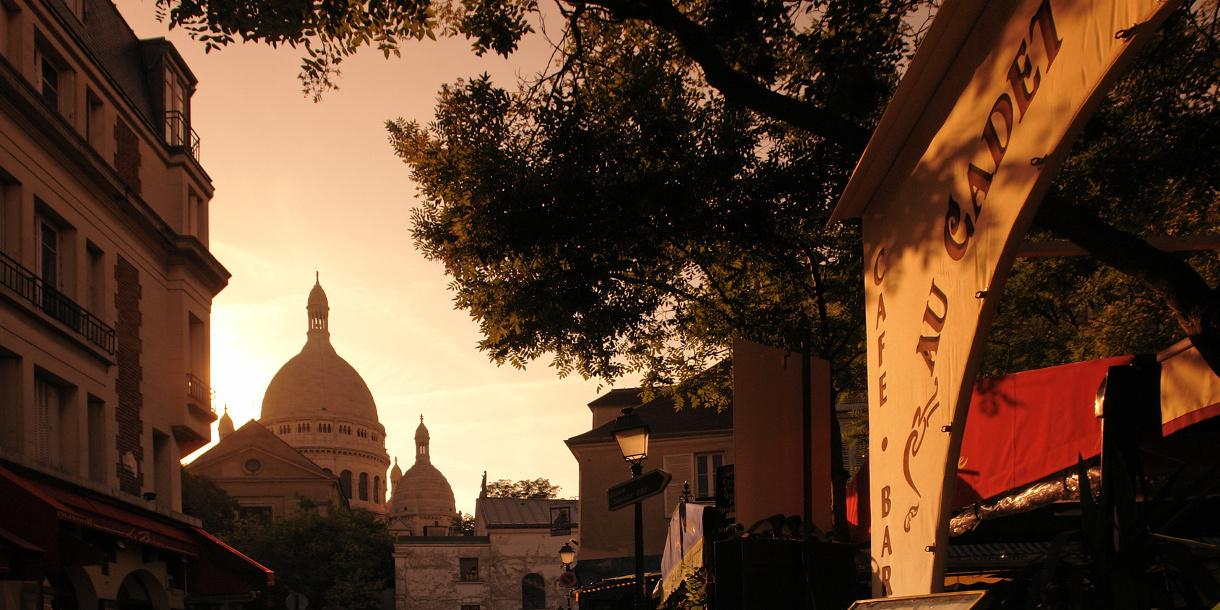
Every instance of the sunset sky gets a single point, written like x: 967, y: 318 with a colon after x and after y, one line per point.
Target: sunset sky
x: 303, y: 186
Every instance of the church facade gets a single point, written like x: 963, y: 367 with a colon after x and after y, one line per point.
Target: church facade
x: 320, y: 408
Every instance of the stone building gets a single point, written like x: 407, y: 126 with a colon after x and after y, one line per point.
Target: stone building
x: 510, y: 563
x: 106, y: 286
x: 265, y: 475
x: 318, y: 404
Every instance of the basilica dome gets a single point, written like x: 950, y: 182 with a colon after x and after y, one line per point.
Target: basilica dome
x: 317, y: 381
x: 320, y: 406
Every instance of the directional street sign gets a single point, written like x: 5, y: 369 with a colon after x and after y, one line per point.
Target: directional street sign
x: 631, y: 491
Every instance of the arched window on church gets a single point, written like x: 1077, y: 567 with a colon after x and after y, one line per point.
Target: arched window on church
x: 364, y: 486
x: 345, y: 483
x: 533, y: 592
x: 376, y: 490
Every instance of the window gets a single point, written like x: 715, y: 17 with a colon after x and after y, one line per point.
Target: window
x: 533, y: 592
x: 285, y: 429
x: 345, y: 483
x: 10, y: 400
x: 470, y: 607
x: 175, y: 109
x: 705, y: 474
x: 48, y: 254
x: 97, y: 439
x: 95, y: 279
x: 364, y: 486
x: 54, y: 441
x: 163, y: 467
x: 10, y: 202
x: 48, y: 76
x: 376, y: 490
x: 127, y: 155
x: 468, y: 569
x: 93, y: 118
x: 323, y: 427
x: 252, y: 465
x: 303, y: 427
x: 362, y: 433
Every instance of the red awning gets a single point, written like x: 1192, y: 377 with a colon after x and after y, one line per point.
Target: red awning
x: 1021, y: 428
x: 224, y: 570
x: 41, y: 502
x: 1027, y: 426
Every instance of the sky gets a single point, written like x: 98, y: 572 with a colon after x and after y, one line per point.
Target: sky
x: 304, y: 186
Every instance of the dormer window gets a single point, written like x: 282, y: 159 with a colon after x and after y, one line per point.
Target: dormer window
x: 178, y: 132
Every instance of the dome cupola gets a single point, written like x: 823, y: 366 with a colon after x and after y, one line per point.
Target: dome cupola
x: 225, y: 426
x: 423, y: 497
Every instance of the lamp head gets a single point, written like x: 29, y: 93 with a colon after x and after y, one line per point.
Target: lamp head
x: 567, y: 554
x: 631, y: 433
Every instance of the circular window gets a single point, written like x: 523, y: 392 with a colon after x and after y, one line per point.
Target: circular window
x: 252, y: 465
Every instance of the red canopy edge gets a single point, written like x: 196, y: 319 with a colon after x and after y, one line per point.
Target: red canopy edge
x: 214, y: 546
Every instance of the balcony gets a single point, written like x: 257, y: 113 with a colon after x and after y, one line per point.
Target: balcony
x: 179, y: 135
x: 199, y: 397
x: 29, y: 287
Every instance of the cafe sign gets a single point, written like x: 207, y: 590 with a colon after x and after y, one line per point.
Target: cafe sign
x: 949, y: 184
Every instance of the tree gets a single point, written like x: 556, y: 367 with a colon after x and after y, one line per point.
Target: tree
x: 814, y: 67
x: 202, y: 498
x: 463, y: 524
x: 305, y: 548
x: 525, y: 488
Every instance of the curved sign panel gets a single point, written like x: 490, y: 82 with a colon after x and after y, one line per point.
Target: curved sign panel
x: 947, y: 188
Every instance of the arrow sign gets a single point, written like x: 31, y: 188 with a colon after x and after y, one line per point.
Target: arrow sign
x: 631, y: 491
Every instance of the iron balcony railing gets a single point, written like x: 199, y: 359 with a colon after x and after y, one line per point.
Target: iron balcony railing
x: 179, y: 134
x: 54, y: 303
x: 200, y: 393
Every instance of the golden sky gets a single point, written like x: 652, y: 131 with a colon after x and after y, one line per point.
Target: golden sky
x: 303, y: 186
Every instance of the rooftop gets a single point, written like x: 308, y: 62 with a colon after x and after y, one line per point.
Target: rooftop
x: 663, y: 419
x: 523, y: 513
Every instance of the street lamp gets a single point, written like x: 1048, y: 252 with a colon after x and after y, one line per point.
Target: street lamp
x: 567, y: 555
x: 631, y: 433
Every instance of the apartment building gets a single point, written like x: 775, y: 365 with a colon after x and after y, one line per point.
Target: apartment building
x: 106, y: 285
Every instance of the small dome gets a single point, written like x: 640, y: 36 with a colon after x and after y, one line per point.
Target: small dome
x: 421, y: 431
x: 225, y: 425
x: 396, y: 473
x: 425, y: 493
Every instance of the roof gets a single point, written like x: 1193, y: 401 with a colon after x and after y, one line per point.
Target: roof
x: 450, y: 540
x: 663, y: 419
x: 253, y: 434
x: 621, y: 397
x: 119, y: 52
x: 522, y: 513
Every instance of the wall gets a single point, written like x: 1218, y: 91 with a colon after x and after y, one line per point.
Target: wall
x: 426, y: 574
x: 767, y: 422
x: 611, y: 534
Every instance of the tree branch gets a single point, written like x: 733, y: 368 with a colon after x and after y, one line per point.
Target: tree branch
x: 1195, y: 304
x: 735, y: 85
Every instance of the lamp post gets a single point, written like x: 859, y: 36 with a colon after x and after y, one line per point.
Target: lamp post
x: 567, y: 555
x: 631, y: 433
